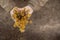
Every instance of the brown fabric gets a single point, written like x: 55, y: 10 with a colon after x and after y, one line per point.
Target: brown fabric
x: 9, y: 4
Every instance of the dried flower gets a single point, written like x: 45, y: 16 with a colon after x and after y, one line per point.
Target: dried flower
x: 21, y: 19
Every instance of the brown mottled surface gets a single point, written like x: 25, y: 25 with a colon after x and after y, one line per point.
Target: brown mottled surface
x: 45, y: 26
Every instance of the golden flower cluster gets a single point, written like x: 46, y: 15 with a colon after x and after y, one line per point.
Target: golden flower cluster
x: 21, y: 19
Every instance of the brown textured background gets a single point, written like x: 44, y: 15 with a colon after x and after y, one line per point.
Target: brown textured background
x: 45, y: 26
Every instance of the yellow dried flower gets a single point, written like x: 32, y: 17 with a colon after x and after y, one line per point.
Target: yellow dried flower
x: 21, y: 19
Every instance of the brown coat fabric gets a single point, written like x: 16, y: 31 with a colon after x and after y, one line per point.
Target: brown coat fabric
x: 35, y: 4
